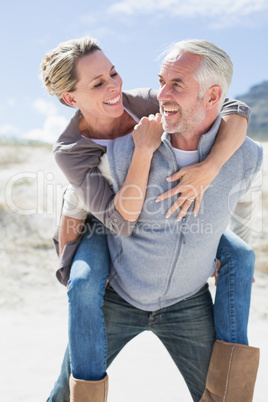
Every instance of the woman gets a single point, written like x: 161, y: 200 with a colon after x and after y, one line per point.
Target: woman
x: 81, y: 76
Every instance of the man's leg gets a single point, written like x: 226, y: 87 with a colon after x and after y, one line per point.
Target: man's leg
x: 233, y: 294
x: 123, y: 322
x: 187, y: 331
x: 61, y: 391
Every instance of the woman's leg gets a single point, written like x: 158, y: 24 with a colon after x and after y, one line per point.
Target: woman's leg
x: 233, y: 294
x: 123, y: 323
x: 86, y: 288
x: 233, y: 366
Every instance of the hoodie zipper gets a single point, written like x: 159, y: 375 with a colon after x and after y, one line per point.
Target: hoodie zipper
x: 182, y: 239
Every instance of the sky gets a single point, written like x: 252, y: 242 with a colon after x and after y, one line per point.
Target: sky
x: 132, y: 33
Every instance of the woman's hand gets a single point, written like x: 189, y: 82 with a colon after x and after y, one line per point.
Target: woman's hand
x: 147, y: 133
x: 147, y: 138
x: 193, y: 182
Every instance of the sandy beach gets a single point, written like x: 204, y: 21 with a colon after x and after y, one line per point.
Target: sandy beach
x: 33, y: 304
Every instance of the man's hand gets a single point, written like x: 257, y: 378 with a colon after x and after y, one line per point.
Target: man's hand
x: 217, y: 271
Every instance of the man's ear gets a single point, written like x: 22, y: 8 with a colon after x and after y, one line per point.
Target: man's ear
x: 68, y: 98
x: 213, y: 96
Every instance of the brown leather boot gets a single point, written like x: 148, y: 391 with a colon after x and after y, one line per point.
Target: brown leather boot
x: 232, y: 373
x: 88, y: 391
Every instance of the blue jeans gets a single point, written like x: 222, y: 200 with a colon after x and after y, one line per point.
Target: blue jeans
x: 86, y: 289
x: 186, y: 329
x: 178, y: 326
x: 233, y: 293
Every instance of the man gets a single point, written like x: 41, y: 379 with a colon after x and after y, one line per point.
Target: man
x: 165, y: 291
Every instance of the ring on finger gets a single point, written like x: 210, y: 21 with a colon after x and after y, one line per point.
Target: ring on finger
x: 191, y: 199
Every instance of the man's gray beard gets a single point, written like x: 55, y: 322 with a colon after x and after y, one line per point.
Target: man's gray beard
x: 188, y: 124
x: 175, y: 130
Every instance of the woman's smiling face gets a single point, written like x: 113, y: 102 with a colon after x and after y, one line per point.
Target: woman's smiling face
x: 99, y: 87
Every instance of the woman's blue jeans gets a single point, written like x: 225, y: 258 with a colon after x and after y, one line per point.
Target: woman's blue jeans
x: 86, y: 289
x: 233, y: 293
x: 87, y: 330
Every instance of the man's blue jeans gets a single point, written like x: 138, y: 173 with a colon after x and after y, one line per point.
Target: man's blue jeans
x: 186, y: 328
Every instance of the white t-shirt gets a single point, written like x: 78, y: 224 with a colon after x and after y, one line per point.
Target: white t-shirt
x: 186, y: 158
x: 72, y: 206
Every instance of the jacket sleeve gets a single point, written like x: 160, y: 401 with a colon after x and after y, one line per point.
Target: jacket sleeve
x: 80, y: 163
x: 233, y: 106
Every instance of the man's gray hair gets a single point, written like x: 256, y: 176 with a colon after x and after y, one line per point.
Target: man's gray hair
x: 216, y: 67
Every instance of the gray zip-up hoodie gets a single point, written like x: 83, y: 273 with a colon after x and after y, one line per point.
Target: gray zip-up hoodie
x: 165, y: 261
x: 79, y: 157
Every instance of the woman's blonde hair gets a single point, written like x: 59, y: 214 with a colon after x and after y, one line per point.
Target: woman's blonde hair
x: 58, y: 68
